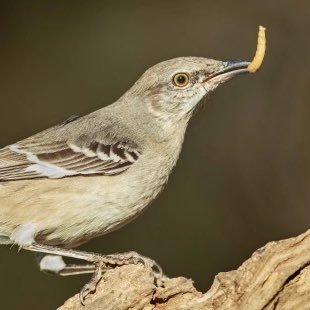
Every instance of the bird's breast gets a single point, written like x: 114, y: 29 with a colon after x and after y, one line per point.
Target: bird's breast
x: 73, y: 210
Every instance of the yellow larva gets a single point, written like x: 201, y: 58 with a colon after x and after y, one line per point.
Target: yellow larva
x: 260, y: 51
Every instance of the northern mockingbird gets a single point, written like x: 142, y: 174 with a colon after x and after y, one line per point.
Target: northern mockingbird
x: 91, y: 175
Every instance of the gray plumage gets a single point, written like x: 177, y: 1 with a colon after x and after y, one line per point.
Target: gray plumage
x: 93, y: 174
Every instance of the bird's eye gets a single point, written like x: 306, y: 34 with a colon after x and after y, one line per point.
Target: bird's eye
x: 180, y: 79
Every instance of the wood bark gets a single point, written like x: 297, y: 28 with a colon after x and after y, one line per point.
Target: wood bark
x: 276, y: 276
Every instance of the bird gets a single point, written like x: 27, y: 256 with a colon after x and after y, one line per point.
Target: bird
x: 91, y: 175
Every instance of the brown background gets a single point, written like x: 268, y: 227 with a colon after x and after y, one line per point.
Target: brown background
x: 244, y: 172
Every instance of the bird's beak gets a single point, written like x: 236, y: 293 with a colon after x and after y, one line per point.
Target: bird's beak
x: 230, y: 69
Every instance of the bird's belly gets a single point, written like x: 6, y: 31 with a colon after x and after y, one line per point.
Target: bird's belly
x: 101, y: 211
x: 70, y: 213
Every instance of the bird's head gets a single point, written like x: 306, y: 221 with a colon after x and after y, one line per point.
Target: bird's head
x: 171, y: 90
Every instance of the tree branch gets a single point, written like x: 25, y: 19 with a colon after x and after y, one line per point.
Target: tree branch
x: 276, y: 276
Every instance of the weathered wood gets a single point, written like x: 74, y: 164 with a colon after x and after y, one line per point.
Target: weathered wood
x: 276, y: 276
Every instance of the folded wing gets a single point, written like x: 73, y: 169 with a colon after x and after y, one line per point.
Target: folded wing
x: 34, y: 158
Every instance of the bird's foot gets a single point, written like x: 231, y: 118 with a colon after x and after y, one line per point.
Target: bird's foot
x: 132, y: 257
x: 91, y: 286
x: 100, y: 263
x: 112, y: 261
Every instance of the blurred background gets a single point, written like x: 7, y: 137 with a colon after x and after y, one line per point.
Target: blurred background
x: 243, y: 176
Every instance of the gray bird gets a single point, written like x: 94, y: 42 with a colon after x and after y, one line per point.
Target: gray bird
x: 91, y: 175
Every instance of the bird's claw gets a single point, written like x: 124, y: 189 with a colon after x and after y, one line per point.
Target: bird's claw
x: 111, y: 261
x: 86, y: 289
x: 91, y: 286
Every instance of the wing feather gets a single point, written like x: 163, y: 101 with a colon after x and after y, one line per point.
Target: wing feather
x: 60, y: 159
x: 65, y: 150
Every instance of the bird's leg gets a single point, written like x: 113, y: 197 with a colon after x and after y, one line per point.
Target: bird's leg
x: 55, y: 265
x: 90, y: 286
x: 74, y: 269
x: 108, y: 260
x: 111, y: 261
x: 98, y: 261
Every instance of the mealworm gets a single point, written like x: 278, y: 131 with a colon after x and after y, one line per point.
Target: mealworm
x: 260, y: 51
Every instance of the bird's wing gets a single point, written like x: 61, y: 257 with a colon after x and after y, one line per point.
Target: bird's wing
x: 54, y: 155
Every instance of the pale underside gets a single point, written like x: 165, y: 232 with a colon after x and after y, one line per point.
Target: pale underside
x: 65, y: 194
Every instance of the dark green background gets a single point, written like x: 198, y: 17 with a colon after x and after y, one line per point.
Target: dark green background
x: 243, y: 176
